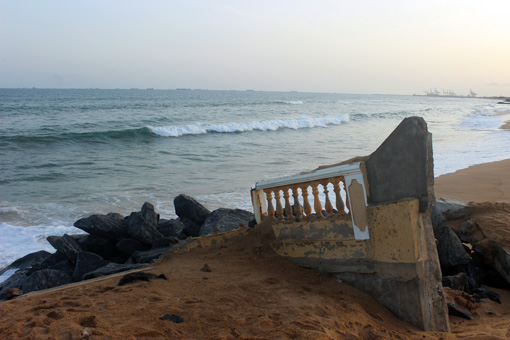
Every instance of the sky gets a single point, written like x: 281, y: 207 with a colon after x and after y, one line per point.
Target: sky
x: 386, y: 47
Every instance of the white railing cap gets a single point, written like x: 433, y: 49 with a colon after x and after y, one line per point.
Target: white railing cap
x: 334, y: 171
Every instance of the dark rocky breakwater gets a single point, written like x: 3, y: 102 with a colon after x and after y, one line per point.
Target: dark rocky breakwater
x: 114, y: 243
x: 469, y: 260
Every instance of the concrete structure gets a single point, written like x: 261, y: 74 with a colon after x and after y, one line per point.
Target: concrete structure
x: 377, y: 235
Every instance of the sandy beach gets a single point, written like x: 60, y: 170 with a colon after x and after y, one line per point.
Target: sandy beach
x: 489, y: 182
x: 250, y: 293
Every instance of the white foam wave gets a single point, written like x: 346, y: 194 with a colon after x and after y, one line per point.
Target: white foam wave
x: 17, y: 241
x: 488, y: 118
x: 262, y: 125
x: 291, y: 102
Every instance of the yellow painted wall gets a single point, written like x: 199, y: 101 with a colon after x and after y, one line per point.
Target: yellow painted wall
x: 394, y: 231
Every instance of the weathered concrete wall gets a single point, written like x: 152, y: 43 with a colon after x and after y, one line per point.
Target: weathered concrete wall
x: 403, y: 165
x: 406, y: 276
x: 386, y: 245
x: 398, y: 265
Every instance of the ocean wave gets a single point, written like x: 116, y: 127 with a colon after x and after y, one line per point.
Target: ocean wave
x: 261, y: 125
x: 90, y: 137
x: 18, y: 241
x: 291, y: 102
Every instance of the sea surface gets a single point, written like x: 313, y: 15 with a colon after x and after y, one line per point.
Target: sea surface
x: 66, y: 154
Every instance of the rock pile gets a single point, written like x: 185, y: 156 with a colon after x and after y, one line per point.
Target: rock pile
x: 468, y: 258
x: 114, y: 243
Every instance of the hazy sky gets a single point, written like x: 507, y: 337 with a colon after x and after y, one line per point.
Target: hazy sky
x: 376, y: 46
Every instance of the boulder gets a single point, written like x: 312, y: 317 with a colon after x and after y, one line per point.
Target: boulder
x: 450, y: 250
x: 87, y: 262
x: 449, y: 209
x: 115, y: 215
x: 165, y: 242
x: 457, y: 282
x: 27, y: 261
x: 112, y: 268
x: 223, y: 219
x: 44, y: 279
x: 484, y: 293
x: 54, y: 261
x: 455, y: 310
x: 142, y: 229
x: 128, y: 246
x: 101, y: 246
x: 67, y: 245
x: 139, y: 276
x: 148, y: 256
x: 465, y: 232
x: 104, y: 226
x: 190, y: 228
x: 187, y: 207
x: 149, y: 214
x: 14, y: 281
x: 171, y: 228
x: 495, y: 255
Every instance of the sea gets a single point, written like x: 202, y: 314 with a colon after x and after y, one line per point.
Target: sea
x: 69, y: 153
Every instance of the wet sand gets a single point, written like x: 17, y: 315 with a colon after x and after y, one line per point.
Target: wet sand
x: 251, y: 293
x: 489, y: 182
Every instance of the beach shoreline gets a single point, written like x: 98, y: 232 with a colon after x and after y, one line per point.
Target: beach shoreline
x: 250, y: 294
x: 486, y: 182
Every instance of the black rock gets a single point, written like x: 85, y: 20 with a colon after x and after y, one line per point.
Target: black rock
x: 171, y: 228
x: 457, y: 282
x: 165, y: 242
x: 54, y: 261
x: 149, y: 214
x: 190, y: 228
x: 483, y: 293
x: 27, y: 261
x: 128, y: 246
x: 172, y: 317
x: 139, y: 276
x: 455, y: 310
x: 14, y: 281
x: 104, y: 226
x: 476, y: 274
x: 63, y: 266
x: 144, y: 230
x: 450, y: 250
x: 187, y: 207
x: 44, y: 279
x: 465, y: 233
x: 223, y: 219
x: 112, y: 268
x: 115, y: 215
x: 101, y: 246
x: 449, y: 209
x: 69, y: 247
x: 87, y: 262
x: 148, y: 256
x: 54, y: 241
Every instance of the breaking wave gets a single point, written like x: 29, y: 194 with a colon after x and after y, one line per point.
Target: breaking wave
x: 261, y: 125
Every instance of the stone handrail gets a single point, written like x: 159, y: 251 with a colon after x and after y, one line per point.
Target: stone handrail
x: 348, y: 178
